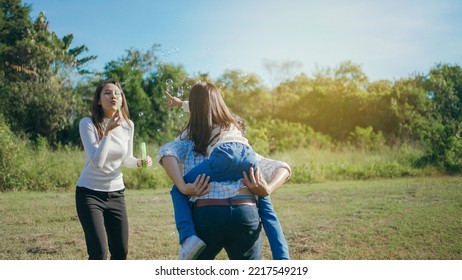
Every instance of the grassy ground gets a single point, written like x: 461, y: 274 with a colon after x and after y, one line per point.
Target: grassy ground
x: 414, y: 218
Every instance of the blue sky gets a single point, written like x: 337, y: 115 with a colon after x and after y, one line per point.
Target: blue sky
x: 390, y: 39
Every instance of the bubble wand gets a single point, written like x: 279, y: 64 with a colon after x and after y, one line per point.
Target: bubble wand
x: 118, y: 100
x: 143, y: 155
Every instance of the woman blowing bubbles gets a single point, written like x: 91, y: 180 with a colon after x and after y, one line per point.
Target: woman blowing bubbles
x: 107, y: 138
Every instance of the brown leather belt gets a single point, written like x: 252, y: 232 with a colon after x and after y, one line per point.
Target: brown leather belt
x: 225, y: 202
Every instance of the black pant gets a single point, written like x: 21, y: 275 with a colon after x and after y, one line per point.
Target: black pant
x: 102, y: 213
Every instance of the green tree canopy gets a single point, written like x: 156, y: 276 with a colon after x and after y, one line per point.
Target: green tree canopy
x: 444, y: 86
x: 37, y: 68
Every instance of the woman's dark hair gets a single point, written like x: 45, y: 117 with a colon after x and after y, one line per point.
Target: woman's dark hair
x: 97, y: 112
x: 207, y: 111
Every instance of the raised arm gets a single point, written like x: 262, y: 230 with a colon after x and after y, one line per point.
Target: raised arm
x: 173, y: 100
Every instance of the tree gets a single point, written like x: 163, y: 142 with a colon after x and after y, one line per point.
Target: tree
x: 407, y: 107
x: 287, y: 97
x: 15, y: 25
x: 244, y: 94
x: 444, y: 143
x: 38, y: 96
x: 333, y: 102
x: 279, y: 72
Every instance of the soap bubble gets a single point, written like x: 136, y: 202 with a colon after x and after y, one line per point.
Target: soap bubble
x: 245, y: 78
x: 119, y: 100
x: 180, y: 91
x: 223, y: 85
x: 169, y: 82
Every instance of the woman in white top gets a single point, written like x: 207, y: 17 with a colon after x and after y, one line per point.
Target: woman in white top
x: 107, y: 137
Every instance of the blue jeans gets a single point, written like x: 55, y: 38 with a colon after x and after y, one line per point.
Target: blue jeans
x: 235, y: 228
x: 273, y: 229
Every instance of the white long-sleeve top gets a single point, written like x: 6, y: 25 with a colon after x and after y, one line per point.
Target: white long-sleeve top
x: 102, y: 170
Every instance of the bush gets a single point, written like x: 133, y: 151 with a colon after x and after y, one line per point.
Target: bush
x: 443, y: 138
x: 349, y: 163
x: 10, y: 146
x: 152, y: 178
x: 302, y: 174
x: 258, y: 139
x: 367, y: 139
x: 273, y: 135
x: 45, y: 169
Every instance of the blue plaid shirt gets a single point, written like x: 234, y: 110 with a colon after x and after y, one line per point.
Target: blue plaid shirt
x: 183, y: 150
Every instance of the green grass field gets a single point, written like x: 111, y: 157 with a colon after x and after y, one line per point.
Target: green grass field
x: 411, y: 218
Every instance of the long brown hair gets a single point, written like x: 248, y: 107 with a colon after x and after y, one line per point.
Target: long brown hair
x: 97, y: 112
x: 207, y: 111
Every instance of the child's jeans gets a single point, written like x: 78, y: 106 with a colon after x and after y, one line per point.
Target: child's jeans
x: 273, y: 229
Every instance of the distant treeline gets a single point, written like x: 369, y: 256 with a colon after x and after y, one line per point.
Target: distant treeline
x: 46, y: 88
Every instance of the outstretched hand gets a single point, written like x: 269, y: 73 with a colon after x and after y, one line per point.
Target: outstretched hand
x: 173, y: 100
x: 255, y: 182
